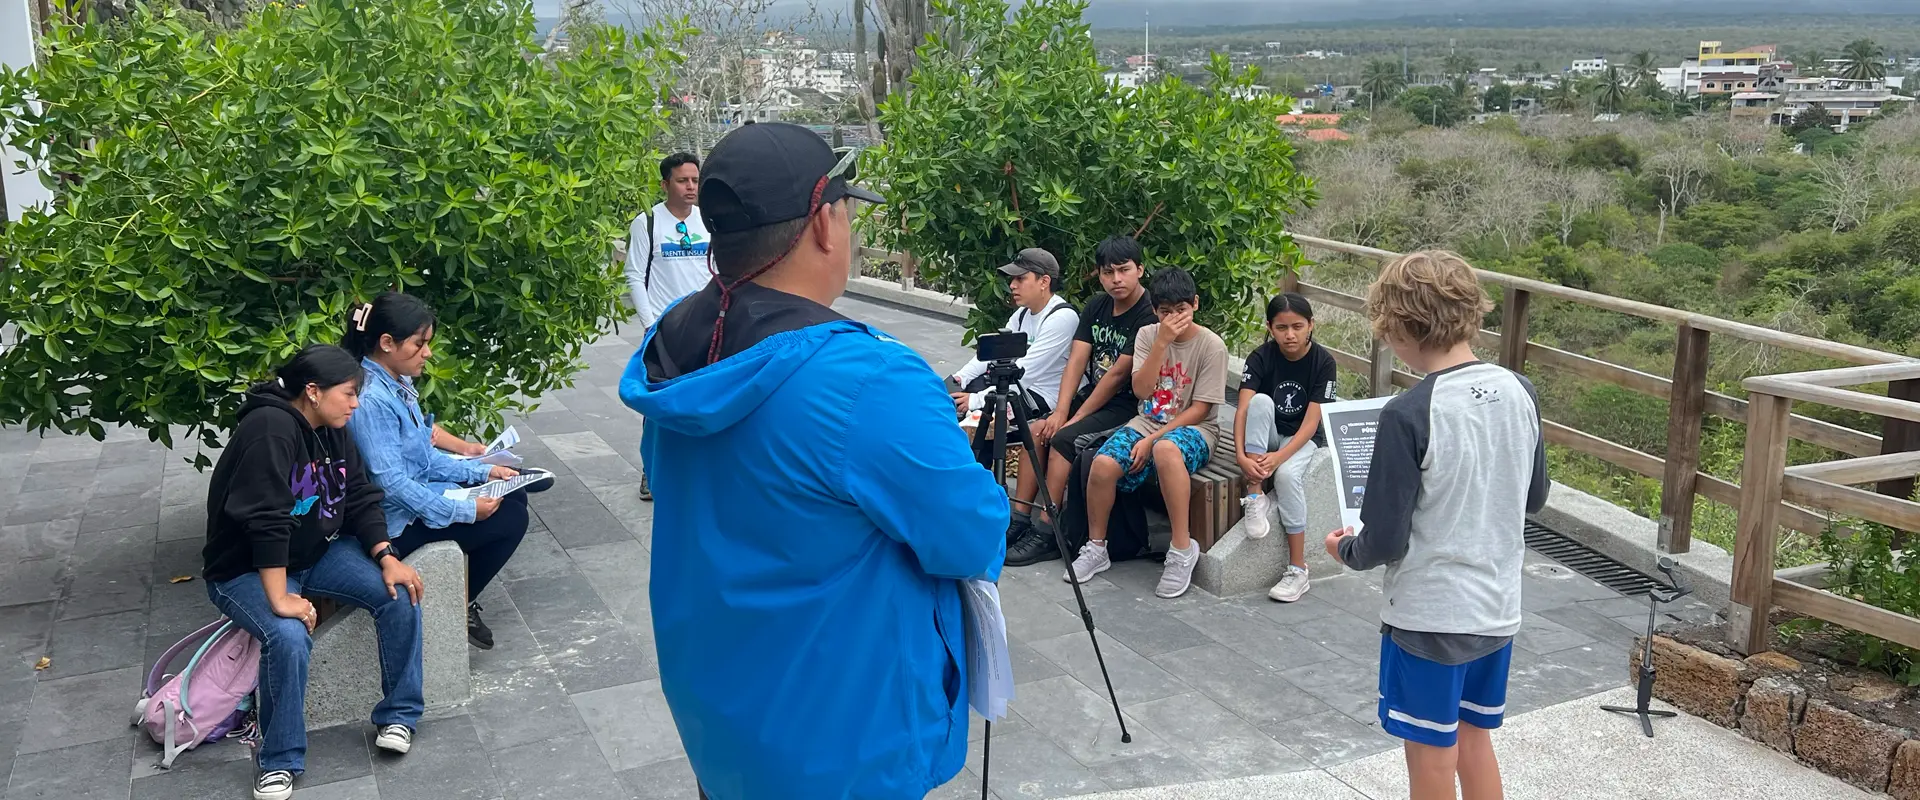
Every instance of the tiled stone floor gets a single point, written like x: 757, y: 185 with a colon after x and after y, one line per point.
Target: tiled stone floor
x: 569, y: 704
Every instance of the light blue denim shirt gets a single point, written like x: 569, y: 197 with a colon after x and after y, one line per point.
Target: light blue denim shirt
x: 396, y: 439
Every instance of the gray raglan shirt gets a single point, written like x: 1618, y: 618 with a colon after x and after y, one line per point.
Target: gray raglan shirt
x: 1458, y: 463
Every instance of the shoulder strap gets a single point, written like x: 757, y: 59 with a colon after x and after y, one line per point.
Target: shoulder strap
x: 195, y: 639
x: 646, y: 278
x: 1056, y: 309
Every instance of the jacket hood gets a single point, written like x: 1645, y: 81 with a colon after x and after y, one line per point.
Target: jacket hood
x: 718, y: 396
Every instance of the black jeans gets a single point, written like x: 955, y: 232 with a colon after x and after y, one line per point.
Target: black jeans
x: 1101, y: 421
x: 487, y: 543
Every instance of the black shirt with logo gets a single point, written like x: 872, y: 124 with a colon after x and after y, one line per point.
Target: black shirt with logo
x: 1292, y: 384
x: 1112, y: 337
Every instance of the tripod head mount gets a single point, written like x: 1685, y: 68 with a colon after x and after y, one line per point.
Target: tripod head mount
x: 1676, y: 587
x: 1002, y: 350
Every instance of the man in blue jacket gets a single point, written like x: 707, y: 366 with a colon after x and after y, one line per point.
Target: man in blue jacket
x: 815, y: 504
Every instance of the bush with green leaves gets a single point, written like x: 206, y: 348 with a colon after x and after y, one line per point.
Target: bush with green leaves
x: 223, y: 200
x: 1872, y: 565
x: 1012, y: 137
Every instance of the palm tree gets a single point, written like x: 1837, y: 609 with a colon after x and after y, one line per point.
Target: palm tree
x: 1459, y: 64
x: 1814, y: 61
x: 1612, y: 89
x: 1643, y: 68
x: 1865, y: 61
x: 1564, y: 95
x: 1381, y: 80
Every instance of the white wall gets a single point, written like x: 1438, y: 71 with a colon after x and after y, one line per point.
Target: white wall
x: 16, y: 50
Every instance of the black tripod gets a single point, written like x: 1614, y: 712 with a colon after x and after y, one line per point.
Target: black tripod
x: 1004, y: 396
x: 1674, y: 590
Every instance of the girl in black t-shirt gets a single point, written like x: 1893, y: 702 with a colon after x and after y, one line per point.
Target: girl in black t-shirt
x: 1277, y: 426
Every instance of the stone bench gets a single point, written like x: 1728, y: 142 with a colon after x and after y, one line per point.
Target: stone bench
x: 343, y: 678
x: 1236, y: 564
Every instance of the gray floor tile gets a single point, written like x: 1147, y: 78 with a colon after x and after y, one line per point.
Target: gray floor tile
x: 620, y: 573
x: 1224, y: 745
x: 50, y: 539
x: 182, y: 488
x: 538, y: 556
x: 556, y: 769
x: 964, y: 786
x: 1253, y: 635
x: 1135, y: 679
x: 576, y: 517
x: 29, y: 507
x: 366, y: 788
x: 549, y: 423
x: 622, y: 500
x: 1350, y: 687
x: 1032, y: 617
x: 139, y: 452
x: 1254, y: 693
x: 514, y: 647
x: 183, y: 522
x: 1350, y: 637
x: 1140, y: 577
x: 339, y: 753
x: 1330, y: 738
x: 96, y: 644
x: 1144, y: 625
x: 36, y: 581
x: 1079, y: 720
x: 24, y: 633
x: 1547, y: 584
x: 671, y: 779
x: 1536, y: 681
x: 1604, y: 629
x: 1044, y: 580
x: 59, y: 447
x: 1165, y: 768
x: 106, y: 589
x: 94, y: 771
x: 447, y: 763
x: 522, y: 706
x: 1029, y: 665
x: 1352, y: 592
x: 631, y: 723
x: 1028, y: 765
x: 82, y: 709
x: 199, y: 777
x: 582, y: 640
x: 1541, y: 635
x: 576, y: 448
x: 1306, y: 609
x: 126, y: 479
x: 58, y: 476
x: 111, y: 512
x: 121, y: 546
x: 9, y: 743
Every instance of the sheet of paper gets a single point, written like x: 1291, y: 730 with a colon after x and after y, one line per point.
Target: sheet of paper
x: 498, y: 451
x: 498, y: 488
x: 1351, y: 426
x: 989, y: 664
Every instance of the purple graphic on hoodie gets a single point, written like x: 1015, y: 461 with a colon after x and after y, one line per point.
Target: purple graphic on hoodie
x: 318, y: 483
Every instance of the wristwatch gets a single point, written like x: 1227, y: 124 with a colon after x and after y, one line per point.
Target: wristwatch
x: 385, y: 553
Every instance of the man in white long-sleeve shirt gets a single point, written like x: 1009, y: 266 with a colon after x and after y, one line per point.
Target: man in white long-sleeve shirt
x: 667, y: 244
x: 1049, y: 323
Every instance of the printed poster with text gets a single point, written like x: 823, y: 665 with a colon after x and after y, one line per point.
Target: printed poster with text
x: 1351, y: 426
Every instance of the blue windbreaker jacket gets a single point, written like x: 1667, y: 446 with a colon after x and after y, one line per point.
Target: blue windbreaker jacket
x: 815, y: 503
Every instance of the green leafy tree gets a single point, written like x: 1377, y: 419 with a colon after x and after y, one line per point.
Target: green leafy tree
x: 1499, y: 97
x: 1458, y: 64
x: 1438, y: 106
x: 1813, y: 118
x: 1564, y: 96
x: 223, y: 200
x: 1611, y: 89
x: 1381, y: 80
x: 1643, y: 69
x: 1019, y: 109
x: 1866, y: 61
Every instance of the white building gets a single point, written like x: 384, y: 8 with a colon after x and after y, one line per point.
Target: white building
x: 1844, y: 106
x: 1588, y: 66
x: 844, y: 59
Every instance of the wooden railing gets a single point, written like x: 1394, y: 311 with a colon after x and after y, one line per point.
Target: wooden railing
x: 1689, y: 400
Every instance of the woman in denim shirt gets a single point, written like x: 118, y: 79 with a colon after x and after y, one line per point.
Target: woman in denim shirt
x: 392, y: 336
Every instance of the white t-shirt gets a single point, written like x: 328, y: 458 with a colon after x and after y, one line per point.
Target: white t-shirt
x: 1049, y: 342
x: 679, y: 261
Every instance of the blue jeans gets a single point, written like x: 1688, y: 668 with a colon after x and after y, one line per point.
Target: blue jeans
x: 346, y: 575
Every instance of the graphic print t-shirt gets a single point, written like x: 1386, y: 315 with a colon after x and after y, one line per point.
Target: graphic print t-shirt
x: 1194, y: 371
x: 1292, y: 384
x: 679, y: 259
x: 1112, y: 336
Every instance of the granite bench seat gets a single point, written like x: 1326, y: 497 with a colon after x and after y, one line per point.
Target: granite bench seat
x: 343, y: 678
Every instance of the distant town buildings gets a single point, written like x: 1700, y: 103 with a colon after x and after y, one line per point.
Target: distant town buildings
x: 1588, y: 66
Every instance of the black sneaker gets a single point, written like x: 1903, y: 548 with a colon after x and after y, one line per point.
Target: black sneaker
x: 646, y: 493
x: 478, y: 634
x: 273, y: 785
x: 1017, y: 529
x: 1032, y: 548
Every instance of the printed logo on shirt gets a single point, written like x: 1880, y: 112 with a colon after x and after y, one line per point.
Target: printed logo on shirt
x: 1484, y: 394
x: 315, y: 483
x: 674, y: 249
x: 1163, y: 404
x: 1107, y: 343
x: 1289, y: 400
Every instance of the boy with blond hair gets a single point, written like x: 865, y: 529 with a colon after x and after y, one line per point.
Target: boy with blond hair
x: 1457, y: 465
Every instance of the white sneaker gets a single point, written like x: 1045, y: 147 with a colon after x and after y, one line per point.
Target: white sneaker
x: 1177, y: 576
x: 394, y: 738
x: 1092, y: 561
x: 1259, y: 513
x: 273, y: 785
x: 1292, y: 586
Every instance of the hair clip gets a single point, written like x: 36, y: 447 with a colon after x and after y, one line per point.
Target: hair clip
x: 280, y: 382
x: 360, y: 317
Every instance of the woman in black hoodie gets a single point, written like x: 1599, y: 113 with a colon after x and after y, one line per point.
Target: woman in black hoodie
x: 291, y: 515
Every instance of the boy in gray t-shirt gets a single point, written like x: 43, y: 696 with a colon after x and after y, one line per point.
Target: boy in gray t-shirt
x: 1457, y: 465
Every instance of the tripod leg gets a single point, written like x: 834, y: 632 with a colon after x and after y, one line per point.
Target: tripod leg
x: 986, y: 759
x: 1023, y: 414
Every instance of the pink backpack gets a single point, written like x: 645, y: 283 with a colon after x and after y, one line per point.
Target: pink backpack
x: 209, y: 699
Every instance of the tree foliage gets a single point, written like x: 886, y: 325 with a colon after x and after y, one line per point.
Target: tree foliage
x: 1017, y: 140
x: 222, y: 201
x: 1865, y: 61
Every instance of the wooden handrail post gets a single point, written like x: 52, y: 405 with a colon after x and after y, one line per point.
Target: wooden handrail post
x: 907, y: 265
x: 1687, y: 403
x: 1759, y: 531
x: 1380, y: 371
x: 1290, y: 281
x: 1900, y: 436
x: 1513, y: 329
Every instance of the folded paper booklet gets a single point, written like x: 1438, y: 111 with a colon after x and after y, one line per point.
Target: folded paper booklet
x: 989, y: 664
x: 498, y: 451
x: 500, y: 488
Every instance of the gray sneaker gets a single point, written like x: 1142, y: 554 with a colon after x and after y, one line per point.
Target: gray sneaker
x: 1258, y: 508
x: 1092, y: 561
x: 1177, y: 576
x: 1291, y: 587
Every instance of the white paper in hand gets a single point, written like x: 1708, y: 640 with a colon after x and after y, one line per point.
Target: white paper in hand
x: 989, y: 664
x: 498, y: 488
x: 498, y: 453
x: 1351, y: 426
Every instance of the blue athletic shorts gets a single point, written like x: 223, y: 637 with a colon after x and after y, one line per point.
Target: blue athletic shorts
x: 1119, y: 447
x: 1423, y: 701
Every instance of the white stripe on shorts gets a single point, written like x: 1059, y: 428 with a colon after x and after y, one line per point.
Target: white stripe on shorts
x: 1421, y: 723
x: 1491, y: 711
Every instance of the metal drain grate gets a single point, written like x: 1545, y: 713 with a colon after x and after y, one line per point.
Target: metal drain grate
x: 1588, y: 561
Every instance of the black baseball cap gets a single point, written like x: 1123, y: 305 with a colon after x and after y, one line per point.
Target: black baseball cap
x: 1033, y: 260
x: 763, y: 174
